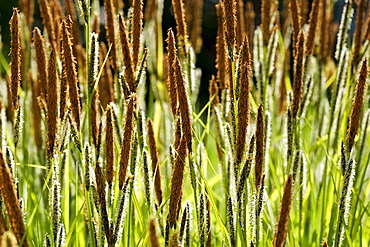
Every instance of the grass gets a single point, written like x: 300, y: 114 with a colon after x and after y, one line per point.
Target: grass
x: 278, y: 156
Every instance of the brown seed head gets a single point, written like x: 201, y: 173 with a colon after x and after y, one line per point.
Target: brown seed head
x: 324, y: 30
x: 28, y: 9
x: 184, y: 104
x: 357, y: 105
x: 11, y: 202
x: 298, y: 74
x: 111, y: 30
x: 71, y: 11
x: 220, y: 48
x: 361, y: 10
x: 182, y: 32
x: 150, y: 8
x: 70, y: 72
x: 48, y: 21
x: 15, y: 57
x: 260, y: 148
x: 283, y: 220
x: 40, y: 55
x: 154, y: 240
x: 240, y: 27
x: 249, y: 18
x: 156, y: 169
x: 266, y: 19
x: 127, y: 58
x: 213, y: 91
x: 52, y: 105
x: 296, y: 19
x: 229, y: 11
x: 100, y: 183
x: 314, y: 17
x: 127, y: 139
x: 109, y: 146
x: 196, y: 30
x: 105, y: 85
x: 177, y: 182
x: 137, y: 27
x: 243, y: 102
x: 171, y: 83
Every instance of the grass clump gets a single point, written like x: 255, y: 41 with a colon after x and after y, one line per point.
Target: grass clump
x: 103, y: 143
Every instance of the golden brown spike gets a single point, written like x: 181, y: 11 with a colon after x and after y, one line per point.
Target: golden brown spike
x: 28, y: 8
x: 63, y: 95
x: 260, y: 148
x: 240, y: 32
x: 296, y: 19
x: 156, y: 169
x: 149, y: 9
x: 266, y: 19
x: 109, y: 146
x: 182, y: 29
x: 70, y: 73
x: 196, y: 31
x: 100, y: 183
x: 70, y: 11
x: 127, y: 139
x: 48, y: 21
x: 111, y: 30
x: 249, y: 19
x: 304, y: 5
x: 229, y: 15
x: 214, y: 91
x: 298, y: 74
x: 177, y: 182
x: 220, y: 48
x: 105, y: 85
x: 361, y: 8
x: 171, y: 83
x: 40, y: 55
x: 154, y: 240
x: 283, y: 220
x: 137, y: 27
x: 314, y: 16
x: 11, y: 202
x: 15, y: 57
x: 184, y: 104
x: 189, y: 13
x: 243, y: 102
x: 324, y: 30
x: 127, y: 58
x: 357, y: 105
x: 58, y: 10
x: 52, y: 105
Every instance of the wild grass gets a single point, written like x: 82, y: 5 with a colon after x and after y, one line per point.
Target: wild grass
x: 103, y: 143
